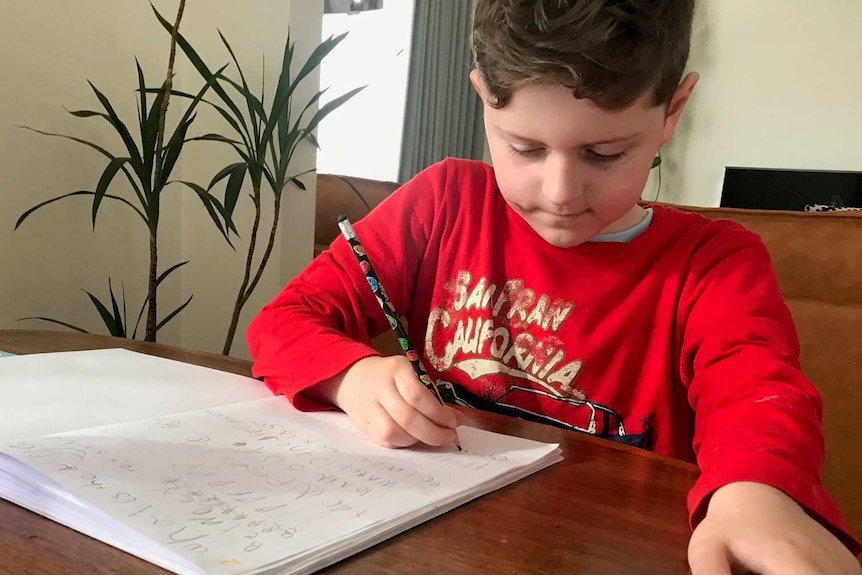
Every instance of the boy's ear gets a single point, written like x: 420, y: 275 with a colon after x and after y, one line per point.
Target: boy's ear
x: 478, y: 84
x: 677, y: 104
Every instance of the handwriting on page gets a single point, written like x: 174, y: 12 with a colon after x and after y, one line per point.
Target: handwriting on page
x: 238, y: 486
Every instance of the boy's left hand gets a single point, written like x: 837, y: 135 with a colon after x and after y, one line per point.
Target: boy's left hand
x: 752, y: 527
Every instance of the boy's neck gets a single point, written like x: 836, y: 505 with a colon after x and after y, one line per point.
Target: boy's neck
x: 631, y: 219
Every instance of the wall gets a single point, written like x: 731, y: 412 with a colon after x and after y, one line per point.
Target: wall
x: 55, y: 46
x: 780, y: 88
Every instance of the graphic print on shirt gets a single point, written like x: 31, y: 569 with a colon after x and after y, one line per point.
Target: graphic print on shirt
x: 501, y: 342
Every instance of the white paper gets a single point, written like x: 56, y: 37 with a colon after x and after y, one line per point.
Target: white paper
x: 56, y: 392
x: 252, y: 487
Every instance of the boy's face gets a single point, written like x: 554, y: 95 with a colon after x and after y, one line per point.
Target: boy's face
x: 568, y: 167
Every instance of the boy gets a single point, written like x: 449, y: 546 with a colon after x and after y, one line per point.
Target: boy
x: 541, y: 288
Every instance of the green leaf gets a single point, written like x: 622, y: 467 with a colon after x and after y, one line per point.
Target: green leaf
x: 172, y: 151
x: 233, y: 124
x: 287, y: 140
x: 118, y: 319
x: 270, y: 178
x: 256, y: 113
x: 87, y: 114
x: 281, y: 100
x: 29, y: 212
x: 174, y: 92
x: 58, y: 322
x: 298, y: 184
x: 109, y: 321
x: 99, y: 149
x: 210, y: 82
x: 216, y: 138
x: 140, y: 316
x: 213, y: 207
x: 234, y: 185
x: 263, y: 79
x: 121, y: 129
x: 125, y: 315
x: 313, y: 140
x: 255, y: 106
x: 107, y: 177
x: 355, y: 190
x: 289, y: 147
x: 304, y: 173
x: 142, y: 88
x: 178, y: 138
x: 164, y: 275
x: 223, y: 173
x: 150, y: 131
x: 222, y: 112
x: 316, y: 57
x: 201, y: 67
x: 331, y: 106
x: 173, y: 314
x: 227, y: 218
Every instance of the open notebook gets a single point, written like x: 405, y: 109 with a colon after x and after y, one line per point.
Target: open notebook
x: 233, y: 482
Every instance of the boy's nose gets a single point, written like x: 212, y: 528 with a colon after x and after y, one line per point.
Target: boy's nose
x: 562, y: 186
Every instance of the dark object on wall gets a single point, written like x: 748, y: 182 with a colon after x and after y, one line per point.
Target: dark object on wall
x: 795, y: 190
x: 350, y: 6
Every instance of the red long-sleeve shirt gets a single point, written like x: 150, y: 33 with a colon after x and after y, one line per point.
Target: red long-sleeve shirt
x: 678, y: 341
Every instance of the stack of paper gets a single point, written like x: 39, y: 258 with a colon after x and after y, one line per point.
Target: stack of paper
x: 250, y: 487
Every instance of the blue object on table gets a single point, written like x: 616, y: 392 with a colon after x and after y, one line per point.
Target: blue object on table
x: 6, y: 354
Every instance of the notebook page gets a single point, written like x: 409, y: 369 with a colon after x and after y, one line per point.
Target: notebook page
x: 240, y: 488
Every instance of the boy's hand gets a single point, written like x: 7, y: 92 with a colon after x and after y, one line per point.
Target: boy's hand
x: 752, y: 527
x: 384, y: 398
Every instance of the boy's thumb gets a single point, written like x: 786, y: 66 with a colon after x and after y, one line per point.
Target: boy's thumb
x: 709, y: 557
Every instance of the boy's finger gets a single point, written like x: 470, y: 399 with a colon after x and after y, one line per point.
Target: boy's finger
x: 415, y: 422
x: 383, y: 429
x: 709, y: 558
x: 423, y: 399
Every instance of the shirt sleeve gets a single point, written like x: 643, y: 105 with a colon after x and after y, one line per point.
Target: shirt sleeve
x: 324, y: 319
x: 757, y: 417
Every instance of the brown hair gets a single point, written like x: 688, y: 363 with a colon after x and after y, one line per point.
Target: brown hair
x: 610, y: 51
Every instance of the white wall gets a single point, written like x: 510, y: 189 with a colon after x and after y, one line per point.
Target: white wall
x: 781, y: 86
x: 363, y: 137
x: 52, y: 47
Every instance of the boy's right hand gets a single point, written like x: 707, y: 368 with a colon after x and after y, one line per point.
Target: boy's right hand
x: 384, y: 398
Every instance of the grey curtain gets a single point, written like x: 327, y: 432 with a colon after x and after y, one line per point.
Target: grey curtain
x: 443, y: 115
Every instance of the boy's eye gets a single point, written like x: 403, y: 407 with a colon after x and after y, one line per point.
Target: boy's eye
x: 532, y: 152
x: 602, y: 158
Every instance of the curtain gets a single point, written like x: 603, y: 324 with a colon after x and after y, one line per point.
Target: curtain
x: 443, y: 114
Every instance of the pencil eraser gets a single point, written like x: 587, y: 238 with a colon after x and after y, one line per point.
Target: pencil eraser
x: 342, y: 218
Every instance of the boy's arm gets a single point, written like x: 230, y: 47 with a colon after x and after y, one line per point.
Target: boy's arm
x: 322, y: 322
x: 757, y: 418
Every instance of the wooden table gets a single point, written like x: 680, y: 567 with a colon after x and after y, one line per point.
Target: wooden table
x: 606, y: 509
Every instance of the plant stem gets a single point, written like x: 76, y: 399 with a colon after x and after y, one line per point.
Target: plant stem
x: 269, y: 245
x: 248, y: 288
x: 241, y: 296
x: 152, y: 310
x: 152, y: 286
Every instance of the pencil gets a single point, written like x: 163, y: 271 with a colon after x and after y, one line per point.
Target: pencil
x: 394, y: 322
